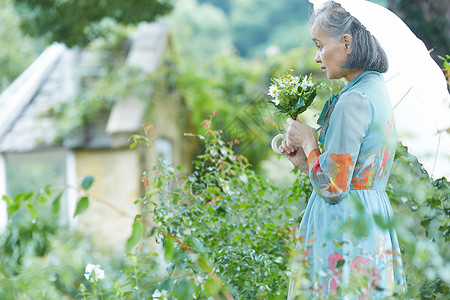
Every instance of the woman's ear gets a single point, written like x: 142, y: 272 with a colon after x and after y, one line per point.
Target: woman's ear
x: 347, y: 41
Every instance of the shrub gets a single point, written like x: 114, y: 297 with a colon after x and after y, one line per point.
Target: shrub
x: 224, y: 230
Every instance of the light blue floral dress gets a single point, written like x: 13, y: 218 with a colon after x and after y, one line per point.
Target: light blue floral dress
x: 344, y: 237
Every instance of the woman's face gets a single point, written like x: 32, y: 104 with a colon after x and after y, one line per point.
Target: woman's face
x: 331, y: 53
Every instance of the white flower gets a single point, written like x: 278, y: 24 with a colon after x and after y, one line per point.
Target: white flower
x: 89, y: 268
x: 94, y: 272
x: 198, y: 279
x: 161, y: 295
x: 307, y: 82
x: 273, y: 91
x: 156, y: 294
x: 99, y: 274
x: 276, y: 101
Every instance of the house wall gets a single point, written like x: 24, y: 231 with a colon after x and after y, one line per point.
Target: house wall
x: 170, y: 121
x: 110, y: 215
x: 118, y: 173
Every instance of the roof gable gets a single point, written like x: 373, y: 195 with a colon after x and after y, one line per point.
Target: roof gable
x: 53, y: 78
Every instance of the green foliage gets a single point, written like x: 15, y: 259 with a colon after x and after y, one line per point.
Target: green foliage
x: 17, y: 52
x: 29, y: 232
x: 216, y: 223
x: 422, y: 211
x: 194, y: 26
x: 252, y: 27
x: 82, y: 205
x: 136, y: 235
x: 83, y: 202
x: 58, y: 274
x: 30, y: 200
x: 39, y: 258
x: 237, y: 89
x: 293, y: 94
x: 82, y: 21
x: 92, y: 105
x: 264, y: 23
x: 220, y: 231
x: 446, y: 67
x: 87, y: 182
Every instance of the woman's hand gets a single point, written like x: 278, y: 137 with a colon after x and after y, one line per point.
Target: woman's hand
x: 301, y: 135
x: 296, y: 156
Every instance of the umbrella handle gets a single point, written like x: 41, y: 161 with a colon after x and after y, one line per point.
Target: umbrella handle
x: 274, y: 144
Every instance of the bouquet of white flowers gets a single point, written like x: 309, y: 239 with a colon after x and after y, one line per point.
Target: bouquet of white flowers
x: 292, y: 94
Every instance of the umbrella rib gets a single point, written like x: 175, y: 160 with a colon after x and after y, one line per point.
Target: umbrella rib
x: 403, y: 97
x: 436, y: 155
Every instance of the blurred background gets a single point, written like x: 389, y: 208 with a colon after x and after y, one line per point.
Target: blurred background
x: 84, y: 83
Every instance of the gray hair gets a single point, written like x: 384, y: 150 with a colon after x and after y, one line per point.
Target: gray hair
x: 367, y: 54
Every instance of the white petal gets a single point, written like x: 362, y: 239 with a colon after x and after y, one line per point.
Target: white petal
x: 89, y: 268
x: 157, y: 293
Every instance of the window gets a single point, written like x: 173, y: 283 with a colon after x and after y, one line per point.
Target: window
x: 163, y: 148
x: 27, y: 172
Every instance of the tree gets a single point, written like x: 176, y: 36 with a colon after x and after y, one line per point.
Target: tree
x: 429, y: 20
x: 261, y: 23
x: 199, y: 30
x: 17, y: 51
x: 78, y: 22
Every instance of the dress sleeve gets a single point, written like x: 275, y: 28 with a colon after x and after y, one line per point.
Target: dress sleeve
x: 331, y: 171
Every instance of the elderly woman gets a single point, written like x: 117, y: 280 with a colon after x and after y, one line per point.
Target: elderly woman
x: 339, y: 241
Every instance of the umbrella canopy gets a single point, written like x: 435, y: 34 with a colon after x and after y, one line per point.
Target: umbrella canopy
x: 416, y: 84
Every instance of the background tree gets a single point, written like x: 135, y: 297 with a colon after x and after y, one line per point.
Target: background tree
x: 199, y: 29
x: 17, y: 51
x: 429, y: 20
x: 78, y: 22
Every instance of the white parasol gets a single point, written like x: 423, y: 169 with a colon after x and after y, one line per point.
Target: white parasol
x: 416, y: 84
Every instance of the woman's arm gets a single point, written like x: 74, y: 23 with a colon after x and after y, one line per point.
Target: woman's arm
x: 331, y: 172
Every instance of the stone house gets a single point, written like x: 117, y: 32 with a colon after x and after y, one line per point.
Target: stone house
x: 31, y: 154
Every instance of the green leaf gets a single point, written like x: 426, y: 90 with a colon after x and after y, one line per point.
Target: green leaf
x: 56, y: 204
x: 133, y: 145
x: 381, y: 221
x: 340, y: 263
x: 87, y: 182
x: 7, y: 199
x: 32, y: 210
x: 446, y: 65
x: 136, y: 235
x: 236, y: 238
x: 426, y: 222
x: 360, y: 227
x: 286, y: 209
x: 300, y: 103
x: 184, y: 289
x: 169, y: 249
x: 42, y: 199
x: 23, y: 197
x: 12, y: 209
x: 196, y: 244
x: 82, y: 205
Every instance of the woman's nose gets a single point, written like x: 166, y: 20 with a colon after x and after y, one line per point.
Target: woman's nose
x: 317, y: 57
